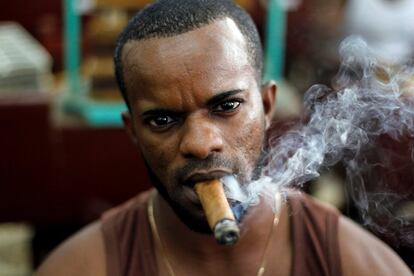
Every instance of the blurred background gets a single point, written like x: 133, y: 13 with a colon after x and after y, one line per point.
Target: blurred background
x: 64, y: 155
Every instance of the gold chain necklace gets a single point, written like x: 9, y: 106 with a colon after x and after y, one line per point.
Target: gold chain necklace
x: 154, y: 229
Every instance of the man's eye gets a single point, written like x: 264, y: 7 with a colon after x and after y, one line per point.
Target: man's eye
x: 160, y: 121
x: 227, y: 106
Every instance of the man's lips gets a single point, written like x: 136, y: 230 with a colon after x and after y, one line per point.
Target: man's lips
x: 202, y: 176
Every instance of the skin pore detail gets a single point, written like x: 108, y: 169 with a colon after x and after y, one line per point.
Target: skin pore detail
x: 197, y: 111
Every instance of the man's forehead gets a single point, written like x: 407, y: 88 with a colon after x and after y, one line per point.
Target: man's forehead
x: 213, y: 58
x: 220, y: 39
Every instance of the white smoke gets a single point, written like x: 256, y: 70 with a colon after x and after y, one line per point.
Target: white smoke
x: 344, y: 124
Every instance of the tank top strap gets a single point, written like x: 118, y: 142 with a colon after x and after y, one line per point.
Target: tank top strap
x: 128, y: 240
x: 314, y: 234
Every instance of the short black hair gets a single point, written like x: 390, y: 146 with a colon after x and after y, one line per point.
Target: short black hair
x: 166, y: 18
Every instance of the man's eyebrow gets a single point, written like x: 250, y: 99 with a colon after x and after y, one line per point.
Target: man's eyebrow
x: 222, y: 96
x: 159, y: 111
x: 210, y: 102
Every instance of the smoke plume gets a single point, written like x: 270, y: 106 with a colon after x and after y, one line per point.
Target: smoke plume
x: 352, y: 124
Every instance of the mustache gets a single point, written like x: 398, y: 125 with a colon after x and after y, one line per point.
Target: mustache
x: 213, y: 161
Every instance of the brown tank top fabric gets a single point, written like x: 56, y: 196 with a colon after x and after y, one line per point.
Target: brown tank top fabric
x: 314, y: 231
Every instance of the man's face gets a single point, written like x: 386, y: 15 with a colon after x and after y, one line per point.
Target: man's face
x: 196, y: 111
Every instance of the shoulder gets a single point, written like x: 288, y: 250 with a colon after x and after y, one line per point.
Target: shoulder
x: 364, y: 254
x: 126, y: 210
x: 82, y: 254
x: 319, y: 216
x: 360, y: 252
x: 85, y: 252
x: 311, y: 203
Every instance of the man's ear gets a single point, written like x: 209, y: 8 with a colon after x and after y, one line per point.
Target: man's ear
x: 269, y: 90
x: 129, y: 127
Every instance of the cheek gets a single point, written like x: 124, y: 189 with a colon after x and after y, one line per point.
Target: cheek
x: 158, y: 155
x: 248, y: 140
x: 252, y: 132
x: 155, y: 156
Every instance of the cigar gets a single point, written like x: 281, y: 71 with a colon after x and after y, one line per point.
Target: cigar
x: 218, y: 212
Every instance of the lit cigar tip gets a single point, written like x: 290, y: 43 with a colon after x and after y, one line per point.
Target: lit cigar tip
x: 226, y: 232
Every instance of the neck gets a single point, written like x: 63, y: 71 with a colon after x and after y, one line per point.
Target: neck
x: 178, y: 238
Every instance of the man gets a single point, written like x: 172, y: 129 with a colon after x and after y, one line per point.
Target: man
x: 190, y: 73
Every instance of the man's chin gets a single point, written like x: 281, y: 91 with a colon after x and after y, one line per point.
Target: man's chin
x: 196, y: 223
x: 195, y: 219
x: 193, y: 216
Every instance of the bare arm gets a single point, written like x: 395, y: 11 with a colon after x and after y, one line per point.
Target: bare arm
x: 83, y: 254
x: 364, y: 254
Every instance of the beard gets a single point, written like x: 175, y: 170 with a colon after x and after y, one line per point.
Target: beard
x: 200, y: 224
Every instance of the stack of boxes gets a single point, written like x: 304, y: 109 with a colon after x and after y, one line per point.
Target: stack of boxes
x: 103, y: 28
x: 25, y: 65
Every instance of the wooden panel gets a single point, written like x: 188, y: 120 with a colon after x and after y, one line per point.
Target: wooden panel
x: 62, y: 175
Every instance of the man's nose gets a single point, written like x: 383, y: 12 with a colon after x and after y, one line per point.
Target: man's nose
x: 200, y: 138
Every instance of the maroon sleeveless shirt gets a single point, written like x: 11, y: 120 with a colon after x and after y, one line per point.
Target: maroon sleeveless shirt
x: 314, y: 233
